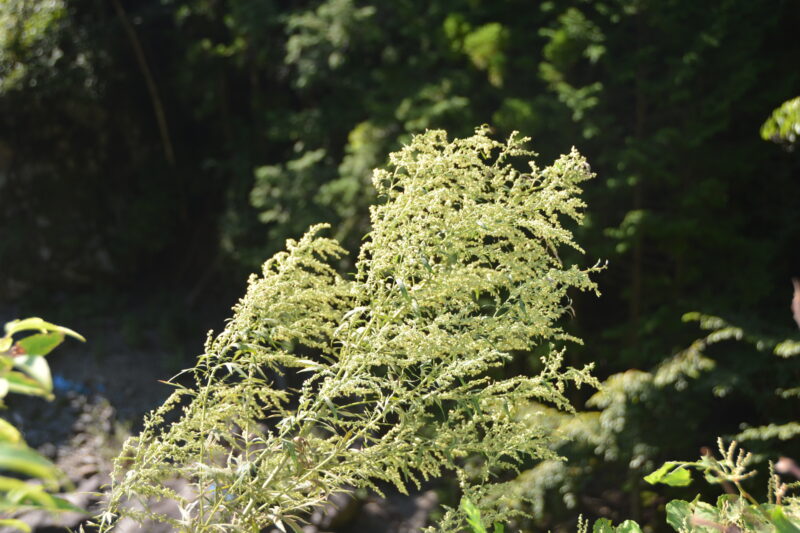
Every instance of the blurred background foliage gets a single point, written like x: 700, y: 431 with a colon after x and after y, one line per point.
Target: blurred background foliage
x: 152, y: 153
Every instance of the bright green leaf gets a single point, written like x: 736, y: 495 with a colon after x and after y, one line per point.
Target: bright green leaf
x: 629, y: 526
x: 603, y: 525
x: 41, y: 343
x: 16, y: 524
x: 15, y: 326
x: 473, y: 516
x: 781, y: 521
x: 672, y: 474
x: 8, y: 433
x: 6, y: 343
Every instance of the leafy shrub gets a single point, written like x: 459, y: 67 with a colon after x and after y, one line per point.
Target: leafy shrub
x: 735, y: 511
x: 783, y: 125
x: 392, y: 375
x: 24, y: 370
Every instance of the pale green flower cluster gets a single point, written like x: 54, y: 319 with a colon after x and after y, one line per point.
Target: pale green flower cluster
x: 321, y: 384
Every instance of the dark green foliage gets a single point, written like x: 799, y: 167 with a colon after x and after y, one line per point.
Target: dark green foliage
x: 277, y: 112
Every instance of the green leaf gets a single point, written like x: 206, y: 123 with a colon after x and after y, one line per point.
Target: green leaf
x: 679, y: 513
x: 19, y: 495
x: 23, y: 460
x: 35, y: 323
x: 19, y: 383
x: 403, y: 290
x: 671, y: 473
x: 36, y: 367
x: 16, y: 524
x: 3, y: 388
x: 6, y: 343
x: 603, y: 525
x: 498, y: 528
x: 781, y: 521
x: 8, y: 433
x: 473, y: 515
x: 41, y: 343
x: 629, y: 526
x: 66, y: 506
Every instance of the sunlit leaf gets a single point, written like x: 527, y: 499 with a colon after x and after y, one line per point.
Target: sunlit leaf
x: 41, y: 343
x: 8, y: 433
x: 629, y: 526
x: 35, y: 323
x: 603, y: 525
x: 16, y: 524
x: 19, y: 383
x: 23, y: 460
x: 670, y: 473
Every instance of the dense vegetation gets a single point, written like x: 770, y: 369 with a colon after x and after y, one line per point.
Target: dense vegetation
x: 167, y: 147
x: 459, y: 273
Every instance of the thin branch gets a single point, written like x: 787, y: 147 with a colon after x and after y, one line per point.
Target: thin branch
x: 148, y: 78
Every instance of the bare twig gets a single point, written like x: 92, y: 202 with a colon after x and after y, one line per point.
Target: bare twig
x: 148, y: 78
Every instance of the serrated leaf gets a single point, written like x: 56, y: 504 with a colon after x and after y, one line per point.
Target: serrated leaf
x: 679, y: 513
x: 603, y: 525
x: 629, y: 526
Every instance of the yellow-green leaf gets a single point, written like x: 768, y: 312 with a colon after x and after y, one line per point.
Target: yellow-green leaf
x: 35, y: 323
x: 23, y: 460
x: 8, y: 433
x: 672, y: 474
x: 16, y: 524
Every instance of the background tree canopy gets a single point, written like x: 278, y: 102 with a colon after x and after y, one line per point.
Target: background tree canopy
x: 167, y: 147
